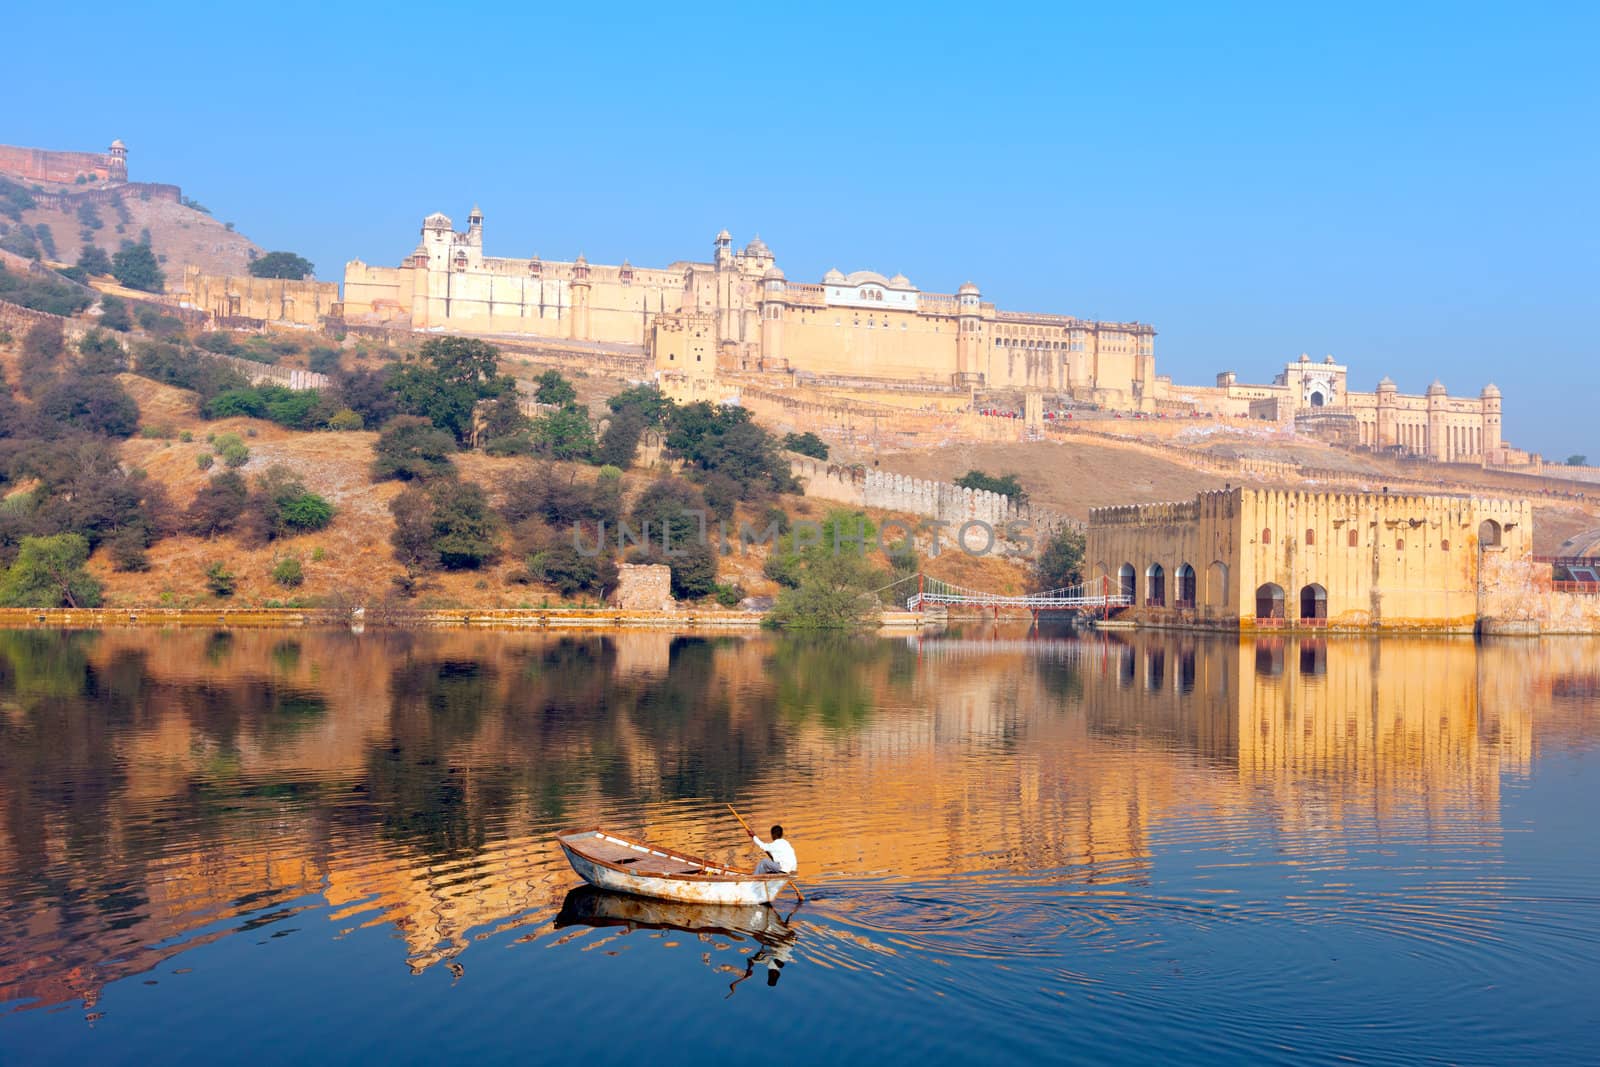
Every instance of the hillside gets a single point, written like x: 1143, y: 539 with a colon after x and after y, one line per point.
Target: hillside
x: 179, y: 235
x: 352, y: 561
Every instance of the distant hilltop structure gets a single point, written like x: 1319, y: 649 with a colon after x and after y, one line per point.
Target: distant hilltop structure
x: 737, y: 311
x: 66, y: 179
x: 64, y: 168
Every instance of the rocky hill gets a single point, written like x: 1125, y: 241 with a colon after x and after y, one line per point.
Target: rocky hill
x: 55, y: 222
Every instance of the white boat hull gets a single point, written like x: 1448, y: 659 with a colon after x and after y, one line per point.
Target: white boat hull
x: 763, y: 889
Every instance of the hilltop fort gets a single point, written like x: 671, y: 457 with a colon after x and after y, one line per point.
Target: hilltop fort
x: 721, y: 327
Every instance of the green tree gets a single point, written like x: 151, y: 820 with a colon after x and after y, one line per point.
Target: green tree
x: 411, y: 448
x: 92, y: 259
x: 1577, y: 460
x: 564, y: 434
x: 1005, y: 484
x: 836, y: 592
x: 43, y: 353
x: 218, y: 505
x: 464, y: 527
x: 620, y: 441
x: 554, y: 389
x: 561, y: 565
x: 412, y: 536
x: 114, y: 313
x: 503, y: 417
x: 449, y: 378
x: 94, y: 405
x: 806, y: 444
x: 647, y: 399
x: 136, y: 268
x: 1060, y: 561
x: 102, y: 354
x: 48, y: 573
x: 281, y: 265
x: 281, y: 506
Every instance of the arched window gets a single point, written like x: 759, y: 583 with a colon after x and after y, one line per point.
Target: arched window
x: 1155, y: 586
x: 1444, y: 546
x: 1184, y: 591
x: 1125, y: 580
x: 1266, y: 536
x: 1313, y: 602
x: 1311, y: 536
x: 1269, y: 601
x: 1354, y: 538
x: 1488, y: 533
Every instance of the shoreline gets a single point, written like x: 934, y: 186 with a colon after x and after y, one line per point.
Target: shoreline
x: 430, y: 619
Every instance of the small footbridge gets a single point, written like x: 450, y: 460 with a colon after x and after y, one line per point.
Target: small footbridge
x: 1100, y: 595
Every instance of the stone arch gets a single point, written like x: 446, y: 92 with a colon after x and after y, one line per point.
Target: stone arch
x: 1488, y: 534
x: 1269, y: 601
x: 1313, y: 602
x: 1125, y: 575
x: 1183, y: 587
x: 1217, y: 584
x: 1155, y: 586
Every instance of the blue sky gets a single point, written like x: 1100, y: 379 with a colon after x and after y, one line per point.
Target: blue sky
x: 1412, y: 191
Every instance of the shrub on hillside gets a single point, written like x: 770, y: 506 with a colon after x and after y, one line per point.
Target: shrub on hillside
x: 135, y: 267
x: 806, y: 444
x: 47, y: 293
x: 411, y: 448
x: 218, y: 506
x: 552, y: 388
x: 564, y: 434
x: 92, y: 259
x: 448, y: 524
x: 97, y: 405
x: 288, y: 572
x: 345, y: 420
x: 1004, y: 484
x: 323, y: 360
x: 114, y: 314
x: 234, y: 452
x: 281, y: 506
x: 220, y: 580
x: 42, y: 358
x: 101, y: 354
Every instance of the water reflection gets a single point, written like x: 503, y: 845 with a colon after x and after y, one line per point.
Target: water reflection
x: 980, y: 797
x: 720, y: 926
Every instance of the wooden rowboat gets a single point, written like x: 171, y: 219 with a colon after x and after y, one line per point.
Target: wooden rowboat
x: 624, y: 866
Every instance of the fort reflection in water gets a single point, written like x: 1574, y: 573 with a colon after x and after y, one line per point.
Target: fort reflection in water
x: 154, y: 786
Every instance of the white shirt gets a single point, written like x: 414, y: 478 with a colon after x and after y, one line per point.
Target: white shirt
x: 781, y: 851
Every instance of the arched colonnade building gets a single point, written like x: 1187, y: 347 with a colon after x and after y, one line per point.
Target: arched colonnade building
x: 1268, y: 559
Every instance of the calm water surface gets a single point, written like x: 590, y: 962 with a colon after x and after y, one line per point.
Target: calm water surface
x: 326, y: 847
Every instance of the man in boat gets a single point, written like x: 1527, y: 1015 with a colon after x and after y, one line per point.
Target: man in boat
x: 780, y: 854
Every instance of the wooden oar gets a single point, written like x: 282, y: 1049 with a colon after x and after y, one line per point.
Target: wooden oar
x: 751, y: 833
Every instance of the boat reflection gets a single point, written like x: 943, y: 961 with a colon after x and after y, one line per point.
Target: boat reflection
x: 772, y: 932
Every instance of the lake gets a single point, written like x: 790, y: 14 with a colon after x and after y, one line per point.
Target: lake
x: 275, y: 847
